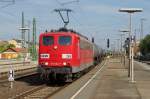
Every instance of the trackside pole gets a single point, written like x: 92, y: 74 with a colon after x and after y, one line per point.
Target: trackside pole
x: 132, y: 61
x: 11, y: 76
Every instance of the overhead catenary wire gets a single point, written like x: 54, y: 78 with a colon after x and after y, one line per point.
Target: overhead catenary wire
x: 9, y: 13
x: 60, y: 13
x: 9, y: 2
x: 66, y: 3
x: 69, y: 2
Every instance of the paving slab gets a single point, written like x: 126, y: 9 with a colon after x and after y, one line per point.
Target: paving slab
x: 111, y: 82
x: 115, y: 83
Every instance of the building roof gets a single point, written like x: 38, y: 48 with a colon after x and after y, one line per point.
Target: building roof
x: 17, y: 50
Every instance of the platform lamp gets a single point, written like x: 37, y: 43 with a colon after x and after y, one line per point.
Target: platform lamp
x: 130, y: 11
x: 123, y: 33
x: 23, y: 40
x: 141, y: 30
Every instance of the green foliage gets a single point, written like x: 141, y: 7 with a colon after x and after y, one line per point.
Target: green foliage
x: 11, y: 46
x: 2, y: 48
x: 5, y: 46
x: 33, y: 52
x: 145, y: 45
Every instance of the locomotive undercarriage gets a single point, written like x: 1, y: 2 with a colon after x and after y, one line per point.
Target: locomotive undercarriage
x: 56, y: 74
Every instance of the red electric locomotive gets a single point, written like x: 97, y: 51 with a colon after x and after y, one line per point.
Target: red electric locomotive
x: 65, y: 53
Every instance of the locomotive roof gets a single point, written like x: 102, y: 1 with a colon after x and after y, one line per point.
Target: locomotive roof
x: 68, y: 31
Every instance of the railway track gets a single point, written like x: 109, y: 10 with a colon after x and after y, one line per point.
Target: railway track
x: 21, y: 70
x: 41, y: 92
x: 30, y: 87
x: 7, y: 66
x: 19, y: 74
x: 146, y: 62
x: 14, y: 63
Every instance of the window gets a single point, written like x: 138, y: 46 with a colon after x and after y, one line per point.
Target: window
x: 48, y: 40
x: 64, y: 40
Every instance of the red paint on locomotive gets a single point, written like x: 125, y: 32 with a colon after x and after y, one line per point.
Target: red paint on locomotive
x: 55, y: 53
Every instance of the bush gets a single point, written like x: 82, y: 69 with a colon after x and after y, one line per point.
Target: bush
x: 145, y: 45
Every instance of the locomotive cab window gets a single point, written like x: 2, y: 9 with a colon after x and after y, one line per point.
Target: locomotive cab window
x: 48, y: 40
x: 64, y: 40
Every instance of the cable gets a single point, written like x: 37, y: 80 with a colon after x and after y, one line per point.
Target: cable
x: 58, y: 2
x: 60, y: 13
x: 76, y: 20
x: 70, y: 2
x: 6, y: 0
x: 8, y: 13
x: 66, y: 3
x: 10, y: 3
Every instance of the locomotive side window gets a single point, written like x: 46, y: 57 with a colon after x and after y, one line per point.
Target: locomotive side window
x: 64, y: 40
x: 85, y: 45
x: 48, y: 40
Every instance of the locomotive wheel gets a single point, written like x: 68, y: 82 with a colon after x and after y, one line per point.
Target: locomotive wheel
x: 42, y: 77
x: 60, y: 77
x: 68, y: 78
x: 52, y: 78
x: 76, y: 75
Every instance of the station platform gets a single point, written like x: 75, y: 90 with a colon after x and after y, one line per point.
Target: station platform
x: 114, y: 82
x: 109, y: 80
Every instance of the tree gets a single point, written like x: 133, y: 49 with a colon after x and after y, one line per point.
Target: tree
x: 5, y: 46
x: 2, y: 48
x: 145, y: 45
x: 10, y: 46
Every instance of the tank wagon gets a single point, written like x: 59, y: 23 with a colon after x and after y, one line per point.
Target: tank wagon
x: 64, y: 54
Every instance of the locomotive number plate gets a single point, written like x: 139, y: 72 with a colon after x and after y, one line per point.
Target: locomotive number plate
x: 66, y: 56
x: 44, y: 55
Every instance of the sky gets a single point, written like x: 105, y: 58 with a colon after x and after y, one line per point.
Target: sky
x: 93, y: 18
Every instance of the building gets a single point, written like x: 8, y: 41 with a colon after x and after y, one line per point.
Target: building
x: 14, y: 53
x: 15, y: 42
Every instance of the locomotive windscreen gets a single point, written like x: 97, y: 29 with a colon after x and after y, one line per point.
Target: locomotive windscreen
x: 64, y: 40
x: 48, y: 40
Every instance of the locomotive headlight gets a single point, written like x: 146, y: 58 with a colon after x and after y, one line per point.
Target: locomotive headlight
x: 66, y: 56
x: 46, y: 63
x: 55, y: 47
x: 64, y: 63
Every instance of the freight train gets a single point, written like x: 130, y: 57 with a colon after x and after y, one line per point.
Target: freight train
x: 65, y: 54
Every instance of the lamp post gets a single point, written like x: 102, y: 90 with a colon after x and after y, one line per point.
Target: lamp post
x: 29, y: 35
x: 141, y: 30
x: 23, y: 39
x: 121, y: 39
x: 130, y: 11
x: 124, y: 31
x: 113, y: 48
x: 118, y: 46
